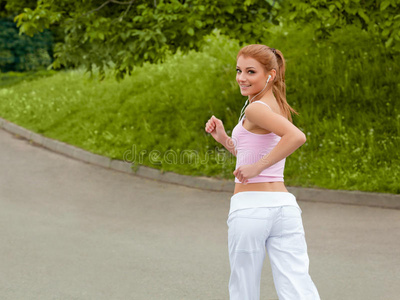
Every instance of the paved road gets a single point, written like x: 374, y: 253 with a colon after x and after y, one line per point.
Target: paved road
x: 70, y: 230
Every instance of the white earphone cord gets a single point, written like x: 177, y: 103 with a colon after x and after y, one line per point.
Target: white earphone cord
x: 248, y: 99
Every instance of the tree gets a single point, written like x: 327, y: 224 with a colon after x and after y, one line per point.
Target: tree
x: 123, y: 34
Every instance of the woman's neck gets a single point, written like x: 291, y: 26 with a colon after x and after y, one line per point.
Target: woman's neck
x: 266, y: 97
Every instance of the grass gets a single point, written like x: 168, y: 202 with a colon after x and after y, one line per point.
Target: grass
x: 348, y: 110
x: 11, y: 78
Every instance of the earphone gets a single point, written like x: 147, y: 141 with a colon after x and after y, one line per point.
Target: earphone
x: 249, y: 100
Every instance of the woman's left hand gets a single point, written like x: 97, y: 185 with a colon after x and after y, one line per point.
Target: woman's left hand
x: 245, y: 172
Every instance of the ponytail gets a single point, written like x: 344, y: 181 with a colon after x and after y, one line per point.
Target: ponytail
x: 279, y: 87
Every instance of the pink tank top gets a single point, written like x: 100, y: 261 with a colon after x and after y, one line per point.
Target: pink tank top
x: 251, y: 147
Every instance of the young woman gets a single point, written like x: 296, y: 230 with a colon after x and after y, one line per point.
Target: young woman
x: 263, y: 215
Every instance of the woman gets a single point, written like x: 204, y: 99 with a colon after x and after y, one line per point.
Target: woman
x: 263, y: 214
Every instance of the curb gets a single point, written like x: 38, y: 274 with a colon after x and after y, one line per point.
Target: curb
x: 382, y: 200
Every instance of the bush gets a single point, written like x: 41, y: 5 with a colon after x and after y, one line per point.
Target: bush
x: 22, y: 53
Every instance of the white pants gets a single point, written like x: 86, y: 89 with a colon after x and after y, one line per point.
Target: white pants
x: 260, y: 221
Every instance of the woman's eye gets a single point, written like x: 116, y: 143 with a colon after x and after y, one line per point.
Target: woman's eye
x: 250, y: 71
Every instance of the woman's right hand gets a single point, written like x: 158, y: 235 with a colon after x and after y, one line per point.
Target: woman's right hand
x: 216, y: 128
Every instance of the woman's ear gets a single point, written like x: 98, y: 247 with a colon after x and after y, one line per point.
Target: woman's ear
x: 273, y: 74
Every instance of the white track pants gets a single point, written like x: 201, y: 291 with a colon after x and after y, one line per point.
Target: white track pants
x: 279, y: 231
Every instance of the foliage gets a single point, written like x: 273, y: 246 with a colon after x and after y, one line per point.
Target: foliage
x: 379, y: 18
x: 12, y: 8
x: 124, y: 34
x: 121, y: 34
x: 21, y: 53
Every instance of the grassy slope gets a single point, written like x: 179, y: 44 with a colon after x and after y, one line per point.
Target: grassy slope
x: 156, y: 117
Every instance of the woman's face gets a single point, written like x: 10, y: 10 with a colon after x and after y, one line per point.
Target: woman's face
x: 250, y: 76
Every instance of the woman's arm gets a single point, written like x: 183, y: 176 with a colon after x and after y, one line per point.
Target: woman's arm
x: 291, y: 137
x: 216, y: 128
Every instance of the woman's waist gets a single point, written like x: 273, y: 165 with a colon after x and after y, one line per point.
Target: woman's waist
x: 277, y: 186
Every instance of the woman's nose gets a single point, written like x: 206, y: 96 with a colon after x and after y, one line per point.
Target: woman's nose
x: 241, y: 77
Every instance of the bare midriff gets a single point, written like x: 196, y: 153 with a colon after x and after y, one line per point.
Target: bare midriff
x: 277, y: 186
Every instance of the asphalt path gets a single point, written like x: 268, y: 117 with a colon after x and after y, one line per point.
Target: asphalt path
x: 71, y: 230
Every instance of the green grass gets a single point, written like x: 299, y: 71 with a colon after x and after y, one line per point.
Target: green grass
x: 350, y: 111
x: 348, y: 104
x: 11, y: 78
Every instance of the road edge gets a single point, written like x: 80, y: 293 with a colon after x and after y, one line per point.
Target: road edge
x: 391, y: 201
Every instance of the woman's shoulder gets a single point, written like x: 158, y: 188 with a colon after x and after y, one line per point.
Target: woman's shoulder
x: 263, y: 103
x: 271, y: 106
